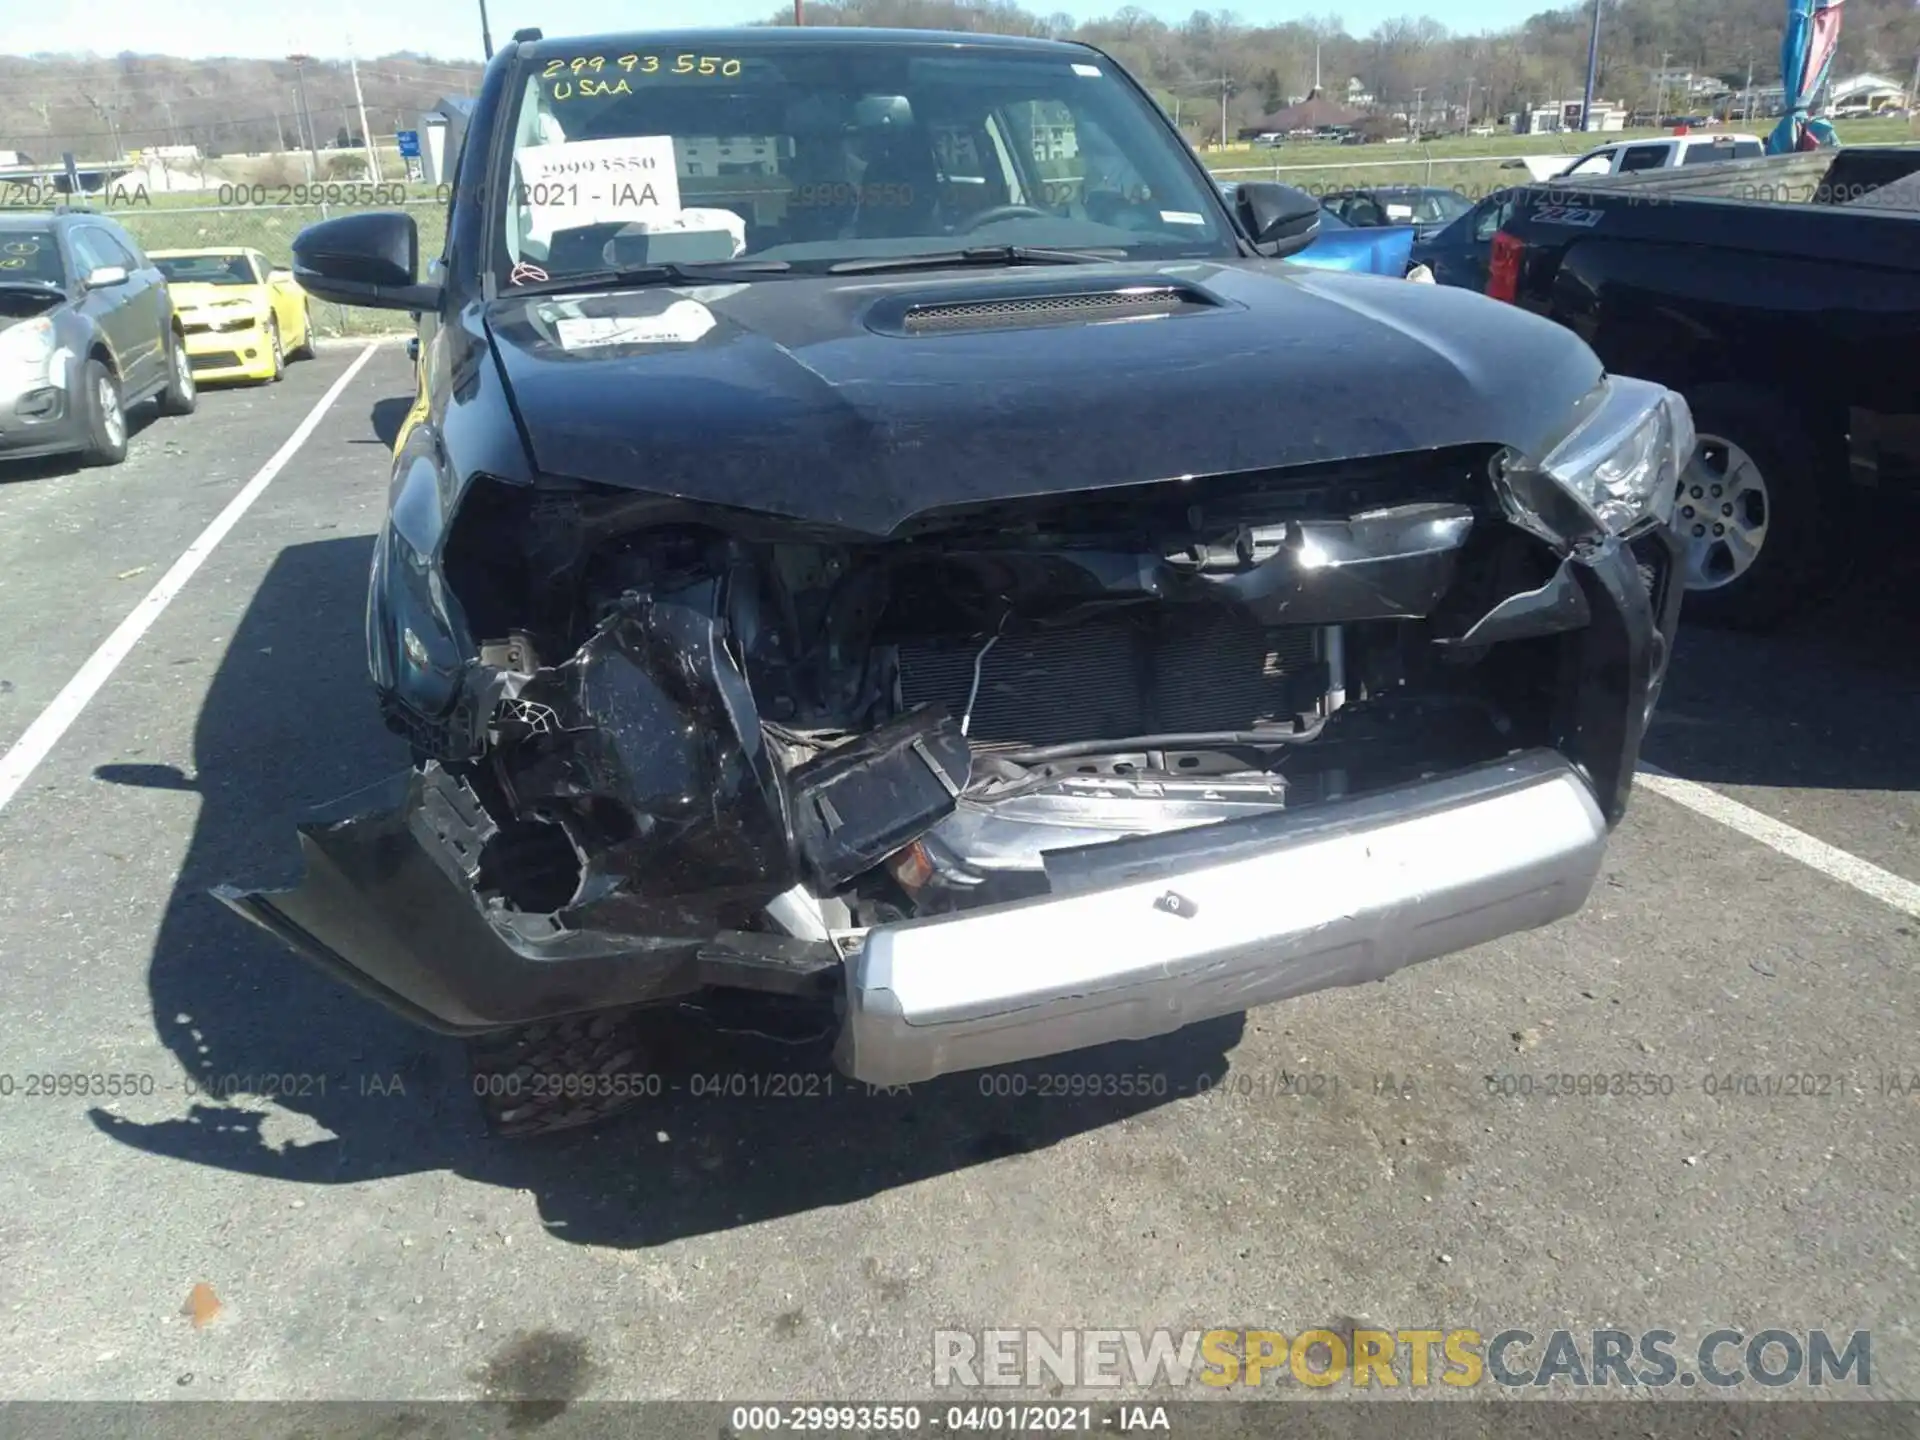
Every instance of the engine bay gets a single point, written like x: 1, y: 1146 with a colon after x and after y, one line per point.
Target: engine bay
x: 684, y: 721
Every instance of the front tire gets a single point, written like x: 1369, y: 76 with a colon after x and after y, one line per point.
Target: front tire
x: 182, y: 396
x: 304, y: 350
x: 279, y: 372
x: 557, y: 1075
x: 106, y: 416
x: 1751, y: 511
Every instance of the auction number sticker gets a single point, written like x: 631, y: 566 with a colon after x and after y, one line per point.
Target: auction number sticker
x: 590, y: 182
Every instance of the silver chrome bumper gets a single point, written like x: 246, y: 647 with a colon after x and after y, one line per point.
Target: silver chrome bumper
x: 1141, y: 937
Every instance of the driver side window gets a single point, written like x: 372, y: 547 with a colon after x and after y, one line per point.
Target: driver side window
x: 1493, y: 214
x: 1599, y: 163
x: 94, y: 249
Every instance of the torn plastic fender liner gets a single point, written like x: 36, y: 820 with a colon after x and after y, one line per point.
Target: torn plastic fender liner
x: 652, y: 720
x: 646, y: 746
x: 1556, y: 605
x: 1392, y: 564
x: 381, y: 909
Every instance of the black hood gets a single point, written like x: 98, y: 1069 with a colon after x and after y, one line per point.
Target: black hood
x: 858, y: 403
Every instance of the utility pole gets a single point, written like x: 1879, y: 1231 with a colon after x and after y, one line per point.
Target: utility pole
x: 1660, y: 92
x: 1419, y: 108
x: 105, y: 112
x: 1746, y: 95
x: 486, y: 32
x: 1466, y: 117
x: 366, y: 134
x: 1224, y: 83
x: 1593, y: 69
x: 280, y: 131
x: 306, y: 115
x: 798, y: 18
x: 1316, y: 67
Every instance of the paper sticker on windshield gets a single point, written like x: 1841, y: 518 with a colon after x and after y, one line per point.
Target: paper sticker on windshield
x: 681, y: 323
x: 1181, y: 217
x: 1399, y: 212
x: 591, y: 182
x: 1092, y: 72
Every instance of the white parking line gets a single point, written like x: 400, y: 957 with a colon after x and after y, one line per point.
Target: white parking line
x: 1829, y: 860
x: 44, y: 733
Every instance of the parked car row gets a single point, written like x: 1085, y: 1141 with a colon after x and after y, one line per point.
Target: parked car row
x: 92, y: 325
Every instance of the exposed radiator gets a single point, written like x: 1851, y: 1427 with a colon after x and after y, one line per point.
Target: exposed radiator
x: 1203, y: 668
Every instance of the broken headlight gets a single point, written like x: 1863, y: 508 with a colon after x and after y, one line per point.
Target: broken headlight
x: 1614, y: 473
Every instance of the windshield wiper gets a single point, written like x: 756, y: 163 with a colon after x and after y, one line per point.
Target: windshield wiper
x: 975, y: 255
x: 657, y: 273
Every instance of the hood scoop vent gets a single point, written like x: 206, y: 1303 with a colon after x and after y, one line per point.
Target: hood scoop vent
x: 1001, y: 311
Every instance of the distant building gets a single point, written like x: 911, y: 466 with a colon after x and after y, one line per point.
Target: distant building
x: 1865, y: 94
x: 708, y: 155
x: 1565, y: 115
x: 1315, y: 113
x: 1358, y: 96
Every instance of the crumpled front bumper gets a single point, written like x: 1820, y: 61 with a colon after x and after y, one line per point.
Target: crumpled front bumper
x: 1137, y: 938
x: 1142, y: 937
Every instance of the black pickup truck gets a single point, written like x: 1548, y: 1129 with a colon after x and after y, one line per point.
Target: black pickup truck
x: 1782, y: 298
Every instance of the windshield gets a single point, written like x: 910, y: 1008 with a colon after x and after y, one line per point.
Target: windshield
x: 31, y: 255
x: 829, y: 152
x: 206, y: 269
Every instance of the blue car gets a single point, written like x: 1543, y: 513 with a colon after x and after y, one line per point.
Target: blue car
x: 1368, y: 250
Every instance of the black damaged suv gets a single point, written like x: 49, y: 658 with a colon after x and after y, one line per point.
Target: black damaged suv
x: 878, y: 531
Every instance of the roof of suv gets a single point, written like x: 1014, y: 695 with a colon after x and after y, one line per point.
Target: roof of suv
x: 552, y: 47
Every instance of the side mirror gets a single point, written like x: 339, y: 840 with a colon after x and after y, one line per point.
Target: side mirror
x: 102, y: 276
x: 370, y: 259
x: 1280, y: 219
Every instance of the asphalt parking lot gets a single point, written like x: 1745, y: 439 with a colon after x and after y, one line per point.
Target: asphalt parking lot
x: 1340, y: 1161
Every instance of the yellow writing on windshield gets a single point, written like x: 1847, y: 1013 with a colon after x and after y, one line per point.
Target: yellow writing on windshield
x: 588, y: 76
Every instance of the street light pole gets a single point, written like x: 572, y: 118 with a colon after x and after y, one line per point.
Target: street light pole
x: 306, y: 114
x: 1593, y: 69
x: 486, y: 33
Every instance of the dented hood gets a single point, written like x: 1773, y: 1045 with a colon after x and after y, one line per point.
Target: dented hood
x: 814, y: 398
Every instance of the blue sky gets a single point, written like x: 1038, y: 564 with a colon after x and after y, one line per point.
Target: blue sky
x: 451, y: 28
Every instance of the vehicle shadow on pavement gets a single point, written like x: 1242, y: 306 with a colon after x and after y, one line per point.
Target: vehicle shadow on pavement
x: 388, y: 416
x: 301, y: 1080
x: 1828, y: 701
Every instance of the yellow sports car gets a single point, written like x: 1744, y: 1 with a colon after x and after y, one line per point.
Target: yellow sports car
x: 243, y: 319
